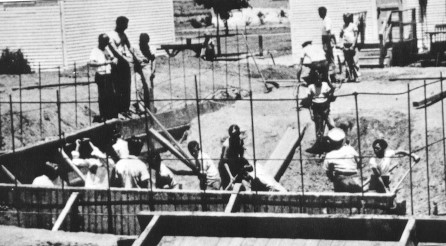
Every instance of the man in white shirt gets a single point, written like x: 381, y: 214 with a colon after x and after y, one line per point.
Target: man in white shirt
x: 341, y: 163
x: 209, y: 175
x: 349, y: 35
x: 327, y: 41
x: 102, y: 59
x: 314, y: 58
x: 164, y: 176
x: 381, y: 165
x: 48, y: 177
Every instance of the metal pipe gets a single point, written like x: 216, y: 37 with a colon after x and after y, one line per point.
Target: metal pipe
x: 58, y: 76
x: 20, y: 104
x: 300, y: 146
x: 75, y: 93
x: 109, y: 208
x: 199, y: 129
x: 238, y: 53
x: 1, y: 124
x: 12, y: 124
x: 410, y: 149
x: 427, y: 152
x: 150, y: 151
x: 359, y: 141
x: 213, y: 76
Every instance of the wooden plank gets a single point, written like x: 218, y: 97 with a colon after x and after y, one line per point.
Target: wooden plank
x: 165, y: 143
x: 68, y: 162
x: 146, y: 235
x: 408, y: 233
x: 71, y: 201
x: 233, y: 199
x: 10, y: 175
x: 430, y: 100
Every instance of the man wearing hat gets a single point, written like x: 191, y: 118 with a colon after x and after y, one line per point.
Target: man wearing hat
x: 341, y: 163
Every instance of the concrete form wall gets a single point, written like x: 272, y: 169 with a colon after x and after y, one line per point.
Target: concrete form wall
x: 61, y: 32
x: 306, y: 23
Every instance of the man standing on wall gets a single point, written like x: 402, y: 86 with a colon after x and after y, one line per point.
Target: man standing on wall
x: 120, y: 46
x: 327, y: 39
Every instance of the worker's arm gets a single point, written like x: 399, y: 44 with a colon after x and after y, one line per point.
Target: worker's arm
x: 229, y: 172
x: 415, y: 157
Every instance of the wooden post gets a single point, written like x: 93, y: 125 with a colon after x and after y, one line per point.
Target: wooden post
x: 400, y: 15
x: 233, y: 199
x: 148, y: 236
x: 260, y: 45
x: 68, y: 206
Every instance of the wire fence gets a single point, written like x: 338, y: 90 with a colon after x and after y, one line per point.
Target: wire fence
x: 13, y: 110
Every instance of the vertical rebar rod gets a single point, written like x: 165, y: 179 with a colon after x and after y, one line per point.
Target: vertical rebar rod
x: 300, y: 146
x: 410, y: 149
x: 238, y: 54
x: 89, y: 93
x: 59, y: 124
x: 252, y: 123
x: 213, y: 76
x: 197, y: 100
x: 40, y: 101
x: 11, y: 115
x: 199, y: 67
x: 184, y: 76
x: 226, y: 51
x: 427, y: 152
x: 75, y: 93
x: 1, y: 124
x: 359, y: 141
x: 20, y: 104
x: 443, y: 128
x: 109, y: 208
x: 150, y: 151
x: 170, y: 81
x: 59, y: 77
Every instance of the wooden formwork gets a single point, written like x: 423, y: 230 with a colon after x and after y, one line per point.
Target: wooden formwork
x: 115, y: 210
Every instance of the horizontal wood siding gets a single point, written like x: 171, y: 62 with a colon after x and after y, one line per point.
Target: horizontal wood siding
x: 85, y: 20
x: 306, y: 23
x: 35, y: 29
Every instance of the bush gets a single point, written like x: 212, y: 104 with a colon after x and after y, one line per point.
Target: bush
x: 13, y: 63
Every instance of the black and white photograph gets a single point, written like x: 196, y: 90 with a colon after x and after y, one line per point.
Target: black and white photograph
x: 222, y: 122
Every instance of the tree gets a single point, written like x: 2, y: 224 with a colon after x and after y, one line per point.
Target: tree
x: 222, y: 9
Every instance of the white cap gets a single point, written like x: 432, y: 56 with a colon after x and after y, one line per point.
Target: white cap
x: 336, y: 134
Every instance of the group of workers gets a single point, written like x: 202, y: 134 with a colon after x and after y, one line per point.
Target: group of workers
x: 117, y: 63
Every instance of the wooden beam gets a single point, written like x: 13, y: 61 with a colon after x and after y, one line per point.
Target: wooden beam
x: 10, y: 175
x: 233, y: 199
x: 68, y: 206
x: 165, y: 143
x: 415, y: 78
x: 148, y: 234
x: 409, y: 233
x: 169, y: 136
x: 430, y: 100
x: 66, y: 159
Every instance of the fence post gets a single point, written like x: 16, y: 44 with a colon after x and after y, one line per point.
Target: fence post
x: 410, y: 148
x: 359, y: 140
x: 109, y: 208
x: 414, y: 25
x: 238, y: 62
x: 427, y: 152
x: 252, y: 132
x: 58, y: 114
x: 260, y: 45
x: 1, y: 123
x: 400, y: 17
x: 184, y: 76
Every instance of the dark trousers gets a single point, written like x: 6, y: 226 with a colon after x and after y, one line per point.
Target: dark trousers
x: 346, y: 183
x: 377, y: 186
x: 122, y: 84
x: 106, y: 96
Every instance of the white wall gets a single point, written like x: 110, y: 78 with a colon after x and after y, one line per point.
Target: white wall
x: 306, y: 23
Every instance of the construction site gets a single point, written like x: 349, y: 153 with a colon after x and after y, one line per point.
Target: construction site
x: 252, y: 82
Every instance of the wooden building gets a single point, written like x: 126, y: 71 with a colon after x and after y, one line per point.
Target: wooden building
x: 61, y: 32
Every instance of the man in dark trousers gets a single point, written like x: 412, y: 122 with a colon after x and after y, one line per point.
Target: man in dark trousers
x: 120, y: 46
x: 327, y: 41
x: 102, y: 59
